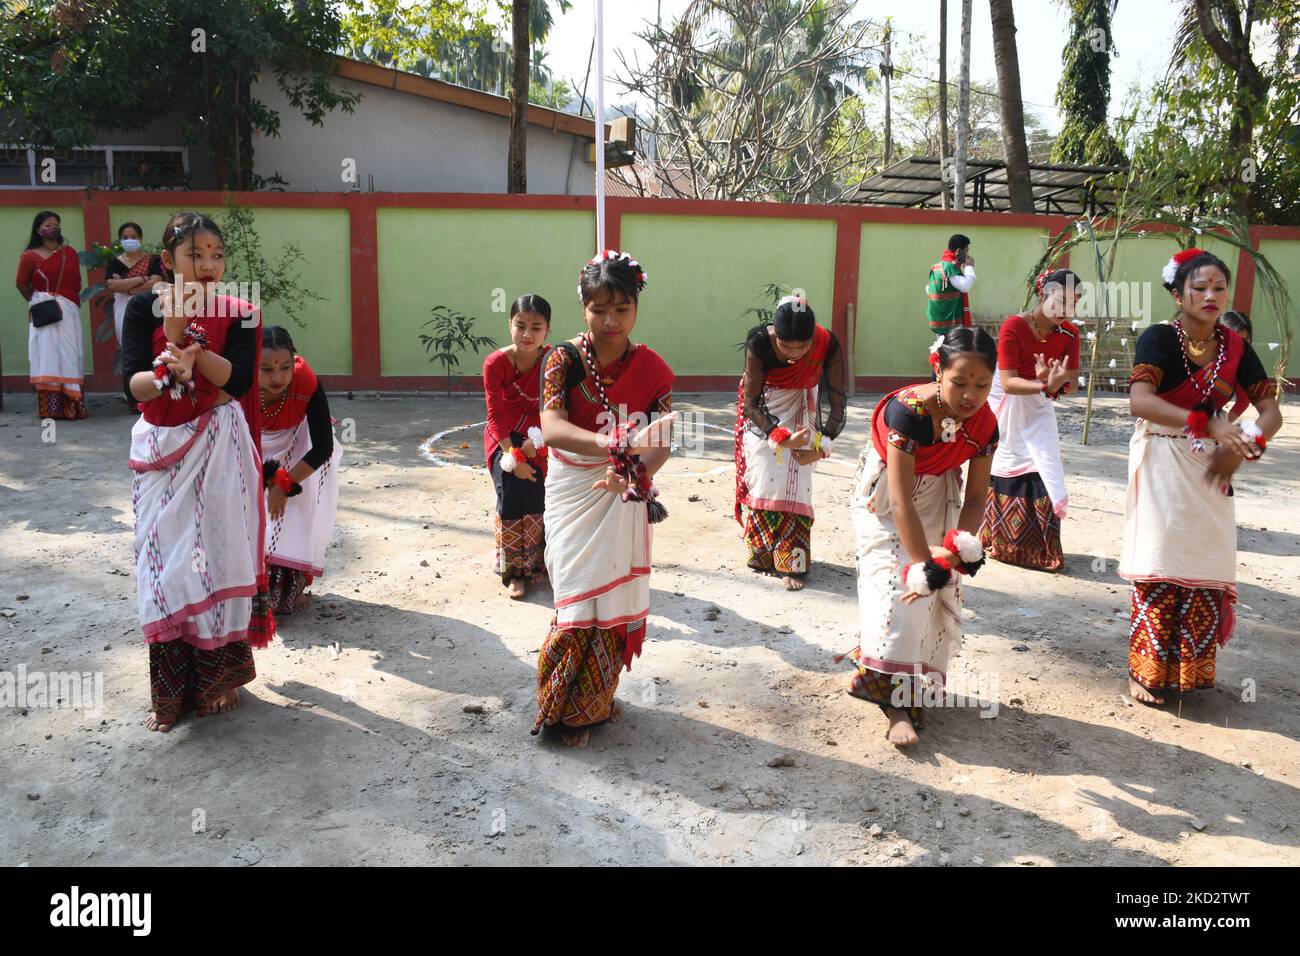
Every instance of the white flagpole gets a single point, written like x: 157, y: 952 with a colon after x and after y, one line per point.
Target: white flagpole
x: 600, y: 126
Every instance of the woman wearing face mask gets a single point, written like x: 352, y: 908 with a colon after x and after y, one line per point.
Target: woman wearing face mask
x: 1038, y: 362
x: 131, y: 272
x: 790, y: 409
x: 49, y: 279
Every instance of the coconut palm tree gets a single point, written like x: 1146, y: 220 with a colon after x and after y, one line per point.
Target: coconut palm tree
x: 1007, y: 62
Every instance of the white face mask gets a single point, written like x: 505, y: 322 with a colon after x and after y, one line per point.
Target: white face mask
x: 131, y: 245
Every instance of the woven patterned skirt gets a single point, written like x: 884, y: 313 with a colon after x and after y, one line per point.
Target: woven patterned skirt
x: 184, y: 678
x: 887, y: 690
x: 1172, y: 636
x: 577, y: 676
x: 779, y: 542
x: 520, y: 547
x: 1020, y: 526
x: 518, y: 528
x: 287, y: 588
x: 60, y: 406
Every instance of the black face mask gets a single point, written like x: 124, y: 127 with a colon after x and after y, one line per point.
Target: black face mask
x: 55, y: 234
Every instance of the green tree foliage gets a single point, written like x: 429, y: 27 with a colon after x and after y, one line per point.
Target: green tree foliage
x: 466, y: 42
x: 1083, y: 92
x: 1191, y: 151
x: 758, y: 100
x: 70, y: 67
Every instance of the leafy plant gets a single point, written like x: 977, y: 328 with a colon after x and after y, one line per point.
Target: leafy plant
x: 451, y: 335
x: 199, y: 59
x: 762, y: 314
x: 277, y: 279
x: 97, y: 257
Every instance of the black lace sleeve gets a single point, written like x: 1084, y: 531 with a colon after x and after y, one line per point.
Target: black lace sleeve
x: 319, y: 428
x: 138, y: 325
x: 833, y: 393
x: 759, y: 357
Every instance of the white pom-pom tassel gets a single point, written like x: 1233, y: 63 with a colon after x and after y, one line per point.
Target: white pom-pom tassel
x: 508, y: 462
x: 914, y: 579
x: 535, y: 436
x: 1250, y: 430
x: 1169, y: 271
x: 969, y: 548
x: 827, y: 446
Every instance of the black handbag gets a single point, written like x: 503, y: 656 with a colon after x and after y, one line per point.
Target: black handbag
x: 47, y: 313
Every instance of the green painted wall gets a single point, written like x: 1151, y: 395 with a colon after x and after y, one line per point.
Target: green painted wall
x: 705, y: 271
x: 15, y: 226
x: 325, y: 336
x: 476, y: 262
x: 1285, y: 257
x: 893, y: 337
x: 1137, y: 266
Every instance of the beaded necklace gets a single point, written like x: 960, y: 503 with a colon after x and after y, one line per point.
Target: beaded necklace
x: 1213, y: 377
x: 626, y: 465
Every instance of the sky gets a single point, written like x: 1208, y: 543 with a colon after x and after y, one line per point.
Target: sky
x: 1143, y: 32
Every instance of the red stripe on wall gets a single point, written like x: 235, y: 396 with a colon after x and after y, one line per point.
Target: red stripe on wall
x: 98, y: 228
x: 1243, y: 290
x: 363, y: 238
x: 848, y: 247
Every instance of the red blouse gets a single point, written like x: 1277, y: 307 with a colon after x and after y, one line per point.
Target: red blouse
x: 641, y: 383
x: 42, y: 275
x: 514, y: 398
x: 1017, y: 346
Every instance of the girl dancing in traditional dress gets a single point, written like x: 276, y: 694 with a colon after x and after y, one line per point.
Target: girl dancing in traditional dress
x: 790, y: 409
x: 513, y: 444
x: 1038, y: 362
x: 598, y: 390
x: 199, y: 515
x: 916, y: 533
x: 303, y: 459
x: 1180, y: 531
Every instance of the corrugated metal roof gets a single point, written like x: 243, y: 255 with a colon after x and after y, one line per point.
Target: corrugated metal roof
x: 1060, y: 188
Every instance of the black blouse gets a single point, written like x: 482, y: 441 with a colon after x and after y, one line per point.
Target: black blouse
x: 117, y: 269
x: 138, y: 326
x: 1158, y: 358
x: 832, y: 391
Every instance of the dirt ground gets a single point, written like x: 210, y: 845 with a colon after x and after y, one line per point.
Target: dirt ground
x: 389, y: 723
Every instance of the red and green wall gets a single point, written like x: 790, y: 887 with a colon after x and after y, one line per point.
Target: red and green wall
x: 382, y: 261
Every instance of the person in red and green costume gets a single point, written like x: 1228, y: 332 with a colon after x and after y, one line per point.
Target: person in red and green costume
x: 950, y: 280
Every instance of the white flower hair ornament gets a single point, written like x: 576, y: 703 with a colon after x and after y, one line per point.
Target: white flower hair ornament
x: 1171, y: 267
x: 642, y: 277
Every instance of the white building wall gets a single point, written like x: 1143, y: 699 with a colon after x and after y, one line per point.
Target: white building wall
x: 409, y: 143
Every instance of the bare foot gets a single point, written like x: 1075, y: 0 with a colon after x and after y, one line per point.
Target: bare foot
x: 615, y: 713
x: 901, y: 733
x: 152, y: 723
x: 227, y: 701
x: 1139, y: 692
x: 575, y: 737
x: 516, y: 588
x: 793, y: 584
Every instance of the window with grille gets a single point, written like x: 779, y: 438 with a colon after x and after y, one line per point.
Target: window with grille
x: 107, y: 167
x: 155, y: 169
x: 14, y: 170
